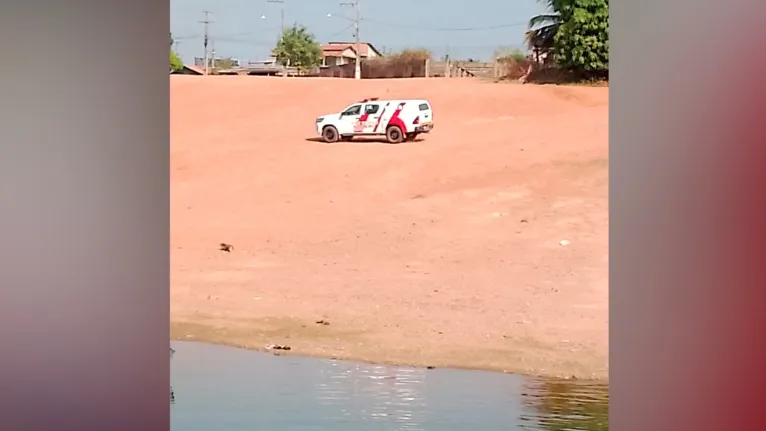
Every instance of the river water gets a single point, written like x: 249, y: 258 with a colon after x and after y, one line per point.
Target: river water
x: 227, y: 389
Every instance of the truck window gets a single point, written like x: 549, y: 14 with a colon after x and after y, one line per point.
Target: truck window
x: 354, y: 110
x: 371, y: 109
x: 424, y: 107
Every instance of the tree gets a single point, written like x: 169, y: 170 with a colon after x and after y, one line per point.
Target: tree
x: 175, y: 63
x: 582, y: 40
x: 543, y: 27
x: 298, y: 48
x: 576, y: 32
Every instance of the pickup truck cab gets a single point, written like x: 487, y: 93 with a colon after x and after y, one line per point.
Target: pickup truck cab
x: 397, y: 120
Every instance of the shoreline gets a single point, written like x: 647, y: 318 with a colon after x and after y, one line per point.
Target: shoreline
x: 304, y: 347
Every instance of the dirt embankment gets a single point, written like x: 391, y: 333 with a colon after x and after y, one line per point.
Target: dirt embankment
x: 443, y: 252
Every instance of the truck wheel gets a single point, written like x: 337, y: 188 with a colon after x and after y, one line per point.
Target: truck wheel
x: 330, y: 134
x: 394, y: 135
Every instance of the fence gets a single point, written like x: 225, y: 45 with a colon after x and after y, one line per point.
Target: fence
x: 416, y: 68
x: 380, y: 69
x: 525, y: 70
x: 463, y: 69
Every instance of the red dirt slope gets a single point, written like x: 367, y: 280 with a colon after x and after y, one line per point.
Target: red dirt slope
x: 440, y: 252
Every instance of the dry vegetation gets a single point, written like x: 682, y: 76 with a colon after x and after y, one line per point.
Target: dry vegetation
x: 402, y: 64
x: 513, y: 67
x: 407, y: 56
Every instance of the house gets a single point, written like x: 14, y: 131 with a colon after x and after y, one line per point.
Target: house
x: 340, y: 53
x: 189, y: 70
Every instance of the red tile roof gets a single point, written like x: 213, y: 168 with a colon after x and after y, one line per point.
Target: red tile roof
x: 197, y: 69
x: 338, y: 47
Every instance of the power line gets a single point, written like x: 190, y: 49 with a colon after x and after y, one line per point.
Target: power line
x: 196, y: 36
x: 345, y: 29
x: 245, y: 41
x: 356, y: 21
x: 390, y: 24
x: 419, y: 27
x: 246, y: 33
x: 282, y: 22
x: 281, y: 11
x: 438, y: 47
x: 357, y: 48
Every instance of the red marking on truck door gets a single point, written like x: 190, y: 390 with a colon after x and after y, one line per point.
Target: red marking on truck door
x: 380, y: 118
x: 359, y: 124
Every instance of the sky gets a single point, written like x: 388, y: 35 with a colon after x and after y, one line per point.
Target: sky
x: 248, y: 29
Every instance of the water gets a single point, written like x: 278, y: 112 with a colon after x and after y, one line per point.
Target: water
x: 227, y: 389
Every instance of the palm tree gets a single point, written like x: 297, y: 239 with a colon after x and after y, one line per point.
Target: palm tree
x: 543, y: 28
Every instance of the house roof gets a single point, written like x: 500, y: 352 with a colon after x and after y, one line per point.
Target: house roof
x: 196, y: 69
x: 335, y: 48
x: 339, y: 51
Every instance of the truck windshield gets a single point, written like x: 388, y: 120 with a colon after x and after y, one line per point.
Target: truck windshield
x: 354, y: 110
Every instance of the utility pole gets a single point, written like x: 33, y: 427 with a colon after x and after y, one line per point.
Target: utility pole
x: 282, y: 27
x: 281, y: 11
x: 358, y: 61
x: 212, y: 53
x: 207, y: 22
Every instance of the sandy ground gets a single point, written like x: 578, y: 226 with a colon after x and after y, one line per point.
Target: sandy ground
x: 442, y: 252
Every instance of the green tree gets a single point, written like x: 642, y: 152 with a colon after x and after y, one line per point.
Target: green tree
x: 297, y: 47
x: 175, y: 63
x: 582, y: 40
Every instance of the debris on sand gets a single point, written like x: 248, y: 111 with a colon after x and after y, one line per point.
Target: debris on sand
x: 564, y: 242
x: 226, y: 247
x: 277, y: 347
x: 322, y: 322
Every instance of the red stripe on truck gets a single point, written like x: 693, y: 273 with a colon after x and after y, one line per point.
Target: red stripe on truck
x: 396, y: 121
x: 380, y: 118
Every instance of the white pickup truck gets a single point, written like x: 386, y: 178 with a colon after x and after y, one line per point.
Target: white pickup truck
x: 397, y: 120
